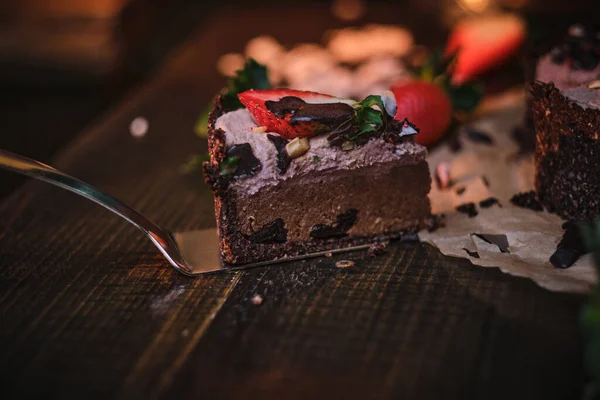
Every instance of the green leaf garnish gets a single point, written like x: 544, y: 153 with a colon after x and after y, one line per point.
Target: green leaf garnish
x: 368, y: 118
x: 464, y: 98
x: 315, y: 159
x: 252, y: 76
x: 194, y: 162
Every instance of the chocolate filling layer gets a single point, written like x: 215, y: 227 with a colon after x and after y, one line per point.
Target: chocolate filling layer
x: 342, y: 225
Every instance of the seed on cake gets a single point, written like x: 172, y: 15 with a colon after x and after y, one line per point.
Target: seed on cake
x: 347, y: 145
x: 442, y: 175
x: 594, y: 85
x: 297, y: 147
x: 344, y: 264
x: 259, y: 129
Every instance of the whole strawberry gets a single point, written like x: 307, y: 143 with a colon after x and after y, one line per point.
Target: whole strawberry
x: 432, y: 100
x: 427, y: 106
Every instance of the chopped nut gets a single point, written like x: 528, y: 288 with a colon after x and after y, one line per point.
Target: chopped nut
x: 256, y: 300
x: 344, y: 264
x: 594, y: 85
x: 347, y: 145
x: 259, y: 129
x: 297, y: 147
x: 442, y: 176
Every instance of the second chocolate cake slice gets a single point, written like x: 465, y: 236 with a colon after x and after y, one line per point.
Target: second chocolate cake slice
x: 298, y: 172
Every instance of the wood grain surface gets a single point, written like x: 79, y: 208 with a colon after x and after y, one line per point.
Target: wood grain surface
x: 89, y: 309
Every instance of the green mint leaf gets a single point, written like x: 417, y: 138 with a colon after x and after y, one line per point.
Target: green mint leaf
x: 465, y: 97
x: 201, y: 125
x: 371, y: 101
x: 228, y: 166
x: 252, y: 76
x: 194, y: 162
x: 372, y: 116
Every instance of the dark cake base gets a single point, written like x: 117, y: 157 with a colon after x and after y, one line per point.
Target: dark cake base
x: 329, y: 210
x: 567, y: 157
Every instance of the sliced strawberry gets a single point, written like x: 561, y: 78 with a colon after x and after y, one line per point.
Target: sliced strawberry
x: 285, y: 123
x: 427, y: 106
x: 482, y: 43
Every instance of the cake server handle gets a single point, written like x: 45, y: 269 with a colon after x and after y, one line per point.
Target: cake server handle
x: 162, y: 239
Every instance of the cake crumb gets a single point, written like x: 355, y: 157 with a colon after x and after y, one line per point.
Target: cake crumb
x: 490, y: 201
x: 468, y: 208
x: 527, y: 200
x: 435, y: 221
x: 344, y: 264
x: 257, y: 300
x: 377, y: 248
x: 138, y: 127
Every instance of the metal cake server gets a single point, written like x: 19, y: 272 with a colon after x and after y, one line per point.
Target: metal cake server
x: 192, y: 253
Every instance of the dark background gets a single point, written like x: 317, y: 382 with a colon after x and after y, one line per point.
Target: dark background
x: 64, y: 63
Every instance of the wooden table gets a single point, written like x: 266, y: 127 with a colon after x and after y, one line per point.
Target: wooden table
x: 89, y: 309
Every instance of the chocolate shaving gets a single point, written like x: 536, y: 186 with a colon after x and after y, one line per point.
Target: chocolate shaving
x: 473, y: 254
x: 570, y: 247
x: 342, y: 225
x: 434, y: 222
x: 283, y: 161
x: 468, y: 208
x: 478, y: 136
x: 499, y: 240
x: 527, y: 200
x: 273, y: 232
x: 247, y: 164
x: 490, y: 201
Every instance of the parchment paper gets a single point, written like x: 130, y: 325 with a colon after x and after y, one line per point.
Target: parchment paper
x: 532, y: 236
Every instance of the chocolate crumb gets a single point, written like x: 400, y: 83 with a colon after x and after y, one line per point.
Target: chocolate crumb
x: 485, y: 181
x: 435, y: 221
x: 527, y: 200
x: 344, y: 264
x: 468, y: 208
x: 490, y: 201
x: 473, y: 254
x: 257, y: 300
x: 377, y: 248
x: 460, y: 191
x: 479, y: 136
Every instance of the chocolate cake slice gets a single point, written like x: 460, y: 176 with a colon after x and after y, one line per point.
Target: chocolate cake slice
x: 567, y: 157
x: 572, y: 62
x: 327, y: 179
